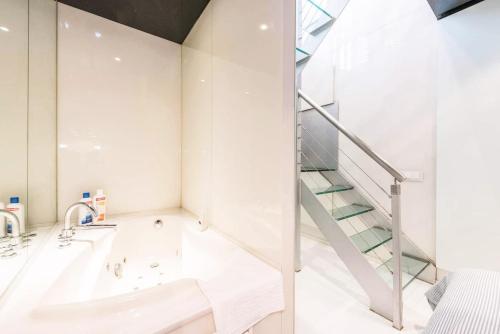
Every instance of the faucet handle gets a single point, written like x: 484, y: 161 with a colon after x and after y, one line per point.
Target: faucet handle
x: 15, y: 241
x: 66, y: 233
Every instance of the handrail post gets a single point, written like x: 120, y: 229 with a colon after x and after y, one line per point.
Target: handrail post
x: 397, y: 292
x: 298, y: 165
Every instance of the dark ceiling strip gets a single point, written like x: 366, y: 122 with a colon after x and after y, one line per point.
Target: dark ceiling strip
x: 168, y: 19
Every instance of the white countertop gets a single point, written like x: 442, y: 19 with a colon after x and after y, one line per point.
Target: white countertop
x: 10, y: 267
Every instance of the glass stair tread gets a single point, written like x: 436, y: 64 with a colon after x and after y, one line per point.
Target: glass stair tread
x: 315, y: 28
x: 332, y: 189
x: 371, y: 238
x: 318, y: 7
x: 301, y: 55
x: 314, y: 17
x: 349, y: 211
x: 317, y: 169
x: 411, y: 268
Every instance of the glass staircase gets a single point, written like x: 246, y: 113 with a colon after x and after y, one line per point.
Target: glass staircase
x: 355, y: 211
x: 360, y: 207
x: 313, y: 26
x: 361, y: 222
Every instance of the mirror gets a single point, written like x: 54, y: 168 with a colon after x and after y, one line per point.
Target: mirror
x: 27, y: 129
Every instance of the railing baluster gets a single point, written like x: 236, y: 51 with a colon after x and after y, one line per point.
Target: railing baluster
x: 397, y: 290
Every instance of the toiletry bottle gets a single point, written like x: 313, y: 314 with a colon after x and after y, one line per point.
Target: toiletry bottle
x: 100, y: 205
x: 3, y: 225
x: 18, y: 209
x: 84, y: 216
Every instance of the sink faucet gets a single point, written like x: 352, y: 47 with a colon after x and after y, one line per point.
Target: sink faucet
x: 13, y: 218
x: 67, y: 232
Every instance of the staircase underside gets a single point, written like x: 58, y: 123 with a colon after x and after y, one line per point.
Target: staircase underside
x: 444, y: 8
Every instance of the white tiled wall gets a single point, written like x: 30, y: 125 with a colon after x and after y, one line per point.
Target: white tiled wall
x: 119, y: 114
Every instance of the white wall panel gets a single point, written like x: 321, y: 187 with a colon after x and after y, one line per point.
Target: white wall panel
x: 468, y: 182
x: 238, y: 130
x: 119, y: 117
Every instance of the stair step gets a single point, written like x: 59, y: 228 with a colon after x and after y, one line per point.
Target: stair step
x: 315, y: 28
x: 301, y: 55
x: 332, y: 189
x: 314, y: 16
x: 318, y: 7
x: 317, y: 169
x: 371, y: 238
x: 411, y: 267
x: 349, y: 211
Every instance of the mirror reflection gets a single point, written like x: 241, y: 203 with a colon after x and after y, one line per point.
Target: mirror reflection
x: 27, y: 136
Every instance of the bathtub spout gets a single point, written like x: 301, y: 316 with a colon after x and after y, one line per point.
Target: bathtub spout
x: 67, y: 232
x: 94, y: 226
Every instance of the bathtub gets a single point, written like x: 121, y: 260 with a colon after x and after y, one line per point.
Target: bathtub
x: 140, y: 253
x: 140, y: 277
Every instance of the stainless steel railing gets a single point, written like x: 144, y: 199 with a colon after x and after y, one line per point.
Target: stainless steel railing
x: 395, y: 206
x: 355, y: 139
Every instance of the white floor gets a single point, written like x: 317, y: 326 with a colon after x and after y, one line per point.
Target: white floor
x: 328, y: 299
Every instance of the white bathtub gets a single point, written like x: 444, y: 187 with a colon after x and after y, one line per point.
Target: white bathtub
x: 141, y: 253
x: 138, y: 278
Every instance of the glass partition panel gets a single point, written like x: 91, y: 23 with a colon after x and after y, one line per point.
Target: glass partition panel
x: 27, y: 130
x: 13, y: 129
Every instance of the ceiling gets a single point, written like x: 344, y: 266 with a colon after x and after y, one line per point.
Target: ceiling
x: 169, y: 19
x: 443, y: 8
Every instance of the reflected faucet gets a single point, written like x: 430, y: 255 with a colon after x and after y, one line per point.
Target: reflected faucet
x: 67, y: 232
x: 13, y: 218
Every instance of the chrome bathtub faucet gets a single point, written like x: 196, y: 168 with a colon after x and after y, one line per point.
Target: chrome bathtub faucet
x: 68, y: 230
x: 118, y: 270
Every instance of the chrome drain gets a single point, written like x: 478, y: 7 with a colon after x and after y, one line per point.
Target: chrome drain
x: 158, y: 223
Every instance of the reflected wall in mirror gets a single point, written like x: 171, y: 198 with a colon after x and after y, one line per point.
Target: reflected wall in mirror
x: 27, y: 129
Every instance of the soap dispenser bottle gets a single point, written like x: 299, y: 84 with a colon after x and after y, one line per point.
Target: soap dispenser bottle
x: 3, y: 226
x: 18, y: 209
x: 84, y: 216
x: 100, y: 205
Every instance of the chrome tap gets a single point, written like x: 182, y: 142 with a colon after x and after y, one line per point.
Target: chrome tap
x: 67, y: 232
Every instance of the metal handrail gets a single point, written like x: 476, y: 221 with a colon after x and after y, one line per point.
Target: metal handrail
x: 355, y: 139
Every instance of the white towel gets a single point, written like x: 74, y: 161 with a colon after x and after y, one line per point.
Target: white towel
x: 247, y: 292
